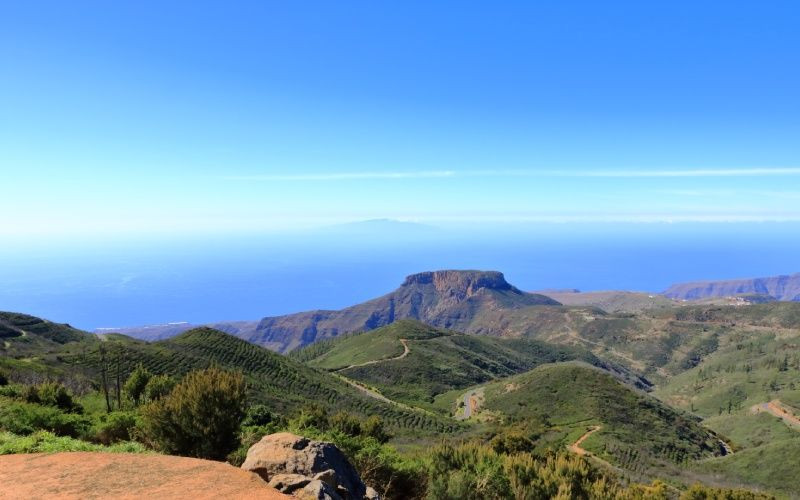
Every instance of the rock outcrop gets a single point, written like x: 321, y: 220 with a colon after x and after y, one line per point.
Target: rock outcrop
x: 304, y: 468
x: 444, y: 299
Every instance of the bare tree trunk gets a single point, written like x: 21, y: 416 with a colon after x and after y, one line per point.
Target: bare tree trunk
x: 119, y: 387
x: 104, y: 374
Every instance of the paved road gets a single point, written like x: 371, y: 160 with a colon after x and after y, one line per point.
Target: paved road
x: 470, y: 403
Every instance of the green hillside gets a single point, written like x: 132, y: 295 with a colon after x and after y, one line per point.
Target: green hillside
x: 773, y: 467
x: 658, y: 343
x: 636, y: 431
x: 31, y: 348
x: 756, y: 362
x: 285, y: 385
x: 437, y: 361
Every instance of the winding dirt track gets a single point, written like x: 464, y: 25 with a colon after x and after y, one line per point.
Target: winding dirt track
x: 374, y: 394
x: 576, y: 446
x: 83, y: 475
x: 406, y: 350
x: 774, y: 407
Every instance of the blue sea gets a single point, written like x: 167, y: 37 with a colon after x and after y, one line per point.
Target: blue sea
x: 96, y: 283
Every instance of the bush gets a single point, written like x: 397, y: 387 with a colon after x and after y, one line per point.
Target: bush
x: 512, y: 441
x: 26, y: 418
x: 346, y: 424
x: 259, y: 415
x: 200, y: 417
x: 11, y: 391
x: 30, y: 393
x: 55, y: 394
x: 158, y: 386
x: 114, y: 427
x: 373, y: 427
x: 700, y: 492
x: 468, y: 472
x: 51, y: 394
x: 137, y: 383
x: 385, y: 470
x: 476, y: 471
x: 310, y: 417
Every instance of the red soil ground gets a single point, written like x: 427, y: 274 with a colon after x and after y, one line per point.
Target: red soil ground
x: 126, y: 476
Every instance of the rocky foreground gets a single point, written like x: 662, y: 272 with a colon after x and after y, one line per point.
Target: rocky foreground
x: 278, y: 465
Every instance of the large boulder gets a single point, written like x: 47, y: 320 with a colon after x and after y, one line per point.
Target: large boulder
x: 286, y: 453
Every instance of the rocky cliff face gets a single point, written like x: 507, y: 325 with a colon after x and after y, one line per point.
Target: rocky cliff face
x: 446, y: 299
x: 785, y: 288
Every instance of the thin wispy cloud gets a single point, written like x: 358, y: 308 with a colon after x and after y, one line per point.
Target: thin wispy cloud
x: 727, y: 193
x: 725, y: 172
x: 435, y: 174
x: 345, y: 176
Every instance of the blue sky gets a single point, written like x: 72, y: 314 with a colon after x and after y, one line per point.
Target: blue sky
x: 157, y: 117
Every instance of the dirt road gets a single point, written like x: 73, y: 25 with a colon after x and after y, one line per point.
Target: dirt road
x: 406, y: 350
x: 775, y: 407
x: 576, y: 446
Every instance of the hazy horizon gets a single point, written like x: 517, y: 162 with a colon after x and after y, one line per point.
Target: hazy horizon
x: 195, y: 162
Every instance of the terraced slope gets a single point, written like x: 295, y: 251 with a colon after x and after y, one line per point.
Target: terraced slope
x: 282, y: 383
x: 437, y: 361
x: 30, y: 347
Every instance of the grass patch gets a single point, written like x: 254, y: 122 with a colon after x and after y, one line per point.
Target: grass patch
x: 47, y: 442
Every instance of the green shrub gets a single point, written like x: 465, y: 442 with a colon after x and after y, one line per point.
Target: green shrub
x: 467, y: 472
x: 10, y: 391
x: 137, y: 383
x: 55, y: 394
x: 512, y: 441
x: 373, y: 427
x: 114, y: 427
x: 346, y: 424
x: 259, y: 415
x: 30, y: 393
x: 26, y: 418
x: 200, y: 417
x: 158, y: 386
x: 700, y: 492
x: 310, y: 417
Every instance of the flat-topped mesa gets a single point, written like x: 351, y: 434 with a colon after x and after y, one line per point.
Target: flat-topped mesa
x: 461, y: 283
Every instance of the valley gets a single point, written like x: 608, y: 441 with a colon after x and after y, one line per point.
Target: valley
x: 676, y: 392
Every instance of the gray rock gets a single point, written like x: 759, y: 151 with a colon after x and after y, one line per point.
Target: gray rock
x: 371, y: 494
x: 318, y: 490
x: 328, y: 476
x: 286, y: 453
x: 287, y: 483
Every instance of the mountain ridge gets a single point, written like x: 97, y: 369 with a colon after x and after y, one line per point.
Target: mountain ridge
x: 785, y: 287
x: 445, y: 299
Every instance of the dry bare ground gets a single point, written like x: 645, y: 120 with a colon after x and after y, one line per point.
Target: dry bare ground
x: 85, y: 475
